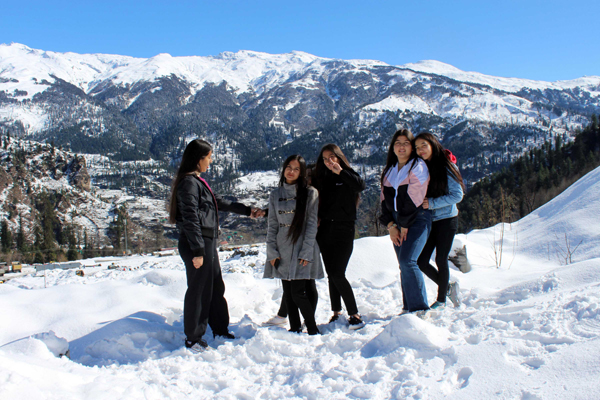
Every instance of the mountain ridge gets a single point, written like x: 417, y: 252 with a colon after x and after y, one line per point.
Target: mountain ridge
x: 427, y: 66
x: 259, y: 106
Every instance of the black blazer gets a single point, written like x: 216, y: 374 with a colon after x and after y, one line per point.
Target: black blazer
x: 197, y: 215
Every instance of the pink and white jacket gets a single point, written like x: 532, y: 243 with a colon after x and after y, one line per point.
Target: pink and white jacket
x: 403, y: 192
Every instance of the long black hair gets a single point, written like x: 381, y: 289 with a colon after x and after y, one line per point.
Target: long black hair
x: 321, y: 169
x: 392, y: 159
x: 301, y: 196
x: 195, y: 151
x: 439, y: 165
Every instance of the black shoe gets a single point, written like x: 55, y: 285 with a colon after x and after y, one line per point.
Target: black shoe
x: 196, y: 346
x: 227, y: 335
x: 299, y: 330
x: 355, y: 323
x: 314, y: 332
x: 334, y: 318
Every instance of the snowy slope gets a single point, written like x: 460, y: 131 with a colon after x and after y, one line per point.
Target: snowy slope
x: 529, y: 329
x: 507, y: 84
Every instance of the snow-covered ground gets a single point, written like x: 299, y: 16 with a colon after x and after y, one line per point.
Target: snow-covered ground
x: 528, y: 329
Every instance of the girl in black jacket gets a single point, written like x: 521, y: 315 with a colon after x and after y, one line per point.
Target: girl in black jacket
x: 339, y: 187
x: 194, y: 208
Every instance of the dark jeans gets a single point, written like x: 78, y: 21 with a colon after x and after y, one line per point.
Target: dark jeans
x: 204, y: 301
x: 414, y: 294
x: 336, y: 241
x: 295, y: 296
x: 311, y: 293
x: 440, y: 239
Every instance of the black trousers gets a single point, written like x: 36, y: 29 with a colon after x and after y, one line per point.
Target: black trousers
x: 336, y: 241
x: 296, y: 297
x: 311, y: 293
x: 204, y: 301
x: 440, y: 239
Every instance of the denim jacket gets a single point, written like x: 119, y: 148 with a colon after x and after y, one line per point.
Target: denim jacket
x: 445, y: 206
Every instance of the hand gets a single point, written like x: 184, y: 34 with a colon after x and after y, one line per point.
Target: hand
x: 257, y: 213
x: 403, y: 233
x: 304, y: 263
x: 395, y: 236
x: 425, y: 203
x: 273, y: 262
x: 335, y: 168
x: 197, y: 261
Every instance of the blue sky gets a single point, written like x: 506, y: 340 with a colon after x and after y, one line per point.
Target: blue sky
x: 545, y: 40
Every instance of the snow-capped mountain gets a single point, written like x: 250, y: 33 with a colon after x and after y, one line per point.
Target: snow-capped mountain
x: 260, y: 106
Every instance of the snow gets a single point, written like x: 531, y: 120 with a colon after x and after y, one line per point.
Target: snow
x: 527, y: 328
x: 507, y: 84
x: 243, y: 71
x: 260, y: 180
x: 33, y: 117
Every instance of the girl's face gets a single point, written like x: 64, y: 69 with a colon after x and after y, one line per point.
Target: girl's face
x: 329, y: 158
x: 402, y: 149
x: 424, y: 149
x: 292, y: 172
x: 205, y: 162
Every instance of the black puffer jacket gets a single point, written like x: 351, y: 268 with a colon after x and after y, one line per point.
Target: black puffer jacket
x: 338, y: 194
x: 197, y: 214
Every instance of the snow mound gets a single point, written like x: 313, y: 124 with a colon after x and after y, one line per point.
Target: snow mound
x: 41, y: 345
x: 406, y: 331
x: 158, y: 278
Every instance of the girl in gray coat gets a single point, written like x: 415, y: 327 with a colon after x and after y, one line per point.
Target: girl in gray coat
x: 292, y: 251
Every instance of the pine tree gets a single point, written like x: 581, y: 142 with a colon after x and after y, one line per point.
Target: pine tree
x: 117, y: 228
x: 6, y: 237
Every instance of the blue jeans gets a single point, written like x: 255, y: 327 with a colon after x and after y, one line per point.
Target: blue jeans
x: 414, y: 295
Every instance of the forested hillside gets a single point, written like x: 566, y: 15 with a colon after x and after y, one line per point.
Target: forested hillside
x: 534, y: 179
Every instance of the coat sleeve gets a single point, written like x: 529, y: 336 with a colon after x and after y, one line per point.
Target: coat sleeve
x: 386, y: 215
x: 272, y: 229
x: 310, y: 235
x: 353, y: 180
x: 454, y: 196
x: 188, y: 198
x: 232, y: 206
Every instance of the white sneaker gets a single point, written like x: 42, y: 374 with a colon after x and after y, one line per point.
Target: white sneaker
x: 454, y: 293
x: 276, y: 321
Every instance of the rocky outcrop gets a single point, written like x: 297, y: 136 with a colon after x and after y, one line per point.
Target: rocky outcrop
x: 80, y: 177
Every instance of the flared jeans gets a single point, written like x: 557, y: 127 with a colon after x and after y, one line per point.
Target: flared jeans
x: 414, y: 294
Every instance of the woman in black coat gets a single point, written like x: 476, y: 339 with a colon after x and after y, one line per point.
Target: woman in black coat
x: 194, y: 208
x: 339, y: 187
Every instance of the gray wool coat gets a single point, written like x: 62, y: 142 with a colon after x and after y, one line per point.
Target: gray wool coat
x: 282, y: 203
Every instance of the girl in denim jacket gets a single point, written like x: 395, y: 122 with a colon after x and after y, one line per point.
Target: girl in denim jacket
x: 445, y: 190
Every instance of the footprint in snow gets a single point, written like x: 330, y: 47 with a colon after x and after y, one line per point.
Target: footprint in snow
x: 463, y: 376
